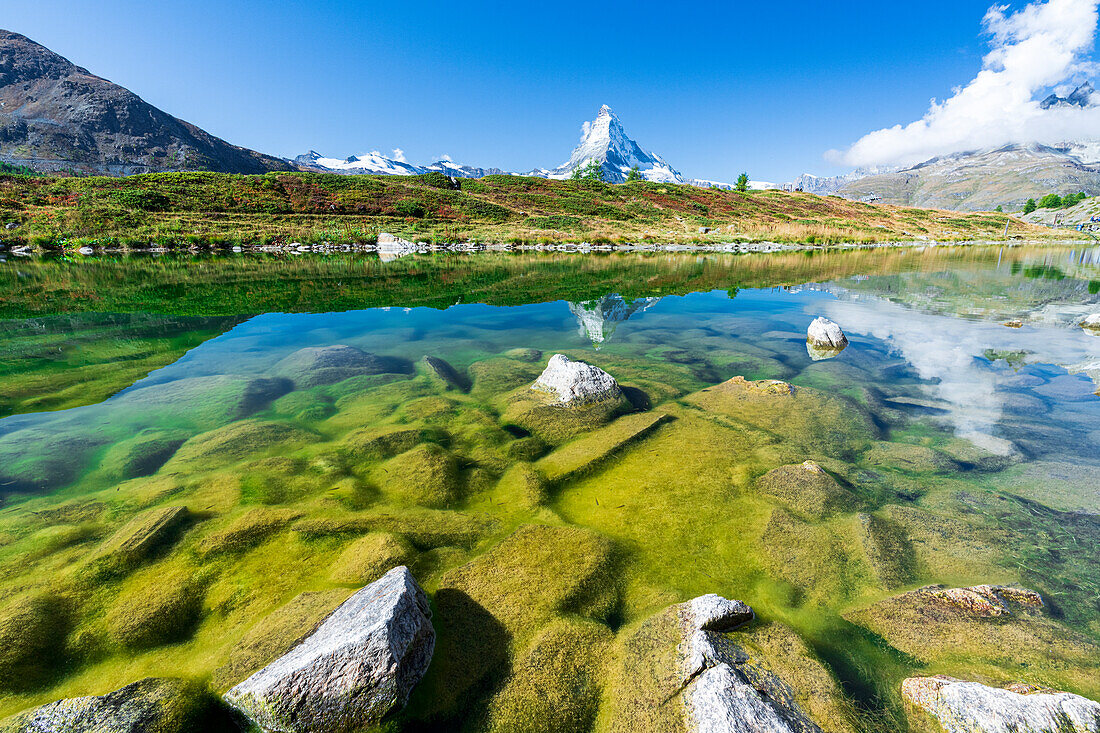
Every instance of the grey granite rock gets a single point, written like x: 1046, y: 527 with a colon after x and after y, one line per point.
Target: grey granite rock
x: 575, y: 382
x: 970, y: 707
x: 148, y: 706
x: 360, y: 663
x: 722, y: 692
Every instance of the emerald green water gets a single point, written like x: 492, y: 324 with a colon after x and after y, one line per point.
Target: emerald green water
x: 134, y: 384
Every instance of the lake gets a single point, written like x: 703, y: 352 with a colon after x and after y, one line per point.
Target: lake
x: 201, y: 456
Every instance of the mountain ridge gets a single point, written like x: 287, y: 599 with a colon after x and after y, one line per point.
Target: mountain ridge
x: 603, y: 141
x: 57, y: 116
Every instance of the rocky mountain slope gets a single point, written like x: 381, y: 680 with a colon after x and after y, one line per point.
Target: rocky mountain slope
x: 982, y: 180
x: 55, y: 115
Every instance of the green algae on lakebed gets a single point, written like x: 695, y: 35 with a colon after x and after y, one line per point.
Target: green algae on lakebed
x: 201, y: 521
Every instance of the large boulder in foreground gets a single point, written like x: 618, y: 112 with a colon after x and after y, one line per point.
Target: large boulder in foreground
x: 574, y: 382
x: 969, y: 707
x: 698, y: 667
x: 148, y: 706
x: 360, y: 663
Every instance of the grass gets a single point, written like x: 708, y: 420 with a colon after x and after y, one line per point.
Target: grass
x: 188, y: 209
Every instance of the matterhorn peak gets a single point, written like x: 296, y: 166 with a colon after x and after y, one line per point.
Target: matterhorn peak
x: 604, y: 142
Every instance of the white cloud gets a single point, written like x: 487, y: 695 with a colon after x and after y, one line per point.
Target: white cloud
x: 399, y: 155
x: 1040, y: 47
x: 447, y: 158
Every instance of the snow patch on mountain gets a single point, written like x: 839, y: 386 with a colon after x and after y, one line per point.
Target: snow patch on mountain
x: 604, y: 141
x: 374, y: 163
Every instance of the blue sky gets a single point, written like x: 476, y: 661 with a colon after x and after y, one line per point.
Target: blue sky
x: 715, y: 88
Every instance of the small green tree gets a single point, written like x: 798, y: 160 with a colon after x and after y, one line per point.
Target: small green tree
x: 743, y: 182
x: 1030, y: 206
x: 593, y: 171
x: 1000, y: 209
x: 634, y: 175
x: 1050, y: 201
x: 577, y: 173
x: 1073, y: 199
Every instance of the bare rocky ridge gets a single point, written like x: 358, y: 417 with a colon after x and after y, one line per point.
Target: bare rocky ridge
x: 983, y: 180
x: 55, y: 116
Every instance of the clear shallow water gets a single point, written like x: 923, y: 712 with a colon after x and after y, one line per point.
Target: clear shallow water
x: 1002, y: 486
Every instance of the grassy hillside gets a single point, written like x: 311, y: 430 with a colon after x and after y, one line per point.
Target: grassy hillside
x: 211, y: 208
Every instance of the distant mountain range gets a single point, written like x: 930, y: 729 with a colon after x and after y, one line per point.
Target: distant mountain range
x: 984, y: 179
x: 374, y: 163
x: 604, y: 142
x: 978, y: 180
x: 55, y: 115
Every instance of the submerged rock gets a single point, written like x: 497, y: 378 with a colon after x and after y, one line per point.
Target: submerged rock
x: 316, y: 365
x: 970, y: 707
x: 32, y: 640
x: 825, y: 334
x: 140, y: 537
x: 150, y: 705
x: 1004, y: 626
x: 360, y: 663
x: 807, y: 488
x: 142, y: 454
x: 575, y: 382
x: 441, y: 371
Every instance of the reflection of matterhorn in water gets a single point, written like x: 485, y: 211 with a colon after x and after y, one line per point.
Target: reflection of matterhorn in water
x: 597, y: 319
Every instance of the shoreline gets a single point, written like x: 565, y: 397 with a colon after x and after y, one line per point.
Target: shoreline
x: 394, y: 250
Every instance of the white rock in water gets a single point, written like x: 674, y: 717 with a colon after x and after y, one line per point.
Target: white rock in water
x: 971, y: 707
x: 823, y: 333
x: 361, y: 663
x: 575, y: 382
x: 1092, y: 321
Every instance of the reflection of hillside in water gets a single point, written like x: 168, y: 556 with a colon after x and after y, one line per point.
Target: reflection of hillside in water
x: 598, y: 319
x: 950, y: 327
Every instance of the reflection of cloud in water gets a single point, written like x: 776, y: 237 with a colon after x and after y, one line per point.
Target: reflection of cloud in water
x: 946, y: 350
x: 597, y: 319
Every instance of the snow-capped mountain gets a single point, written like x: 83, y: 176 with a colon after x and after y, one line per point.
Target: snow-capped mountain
x: 604, y: 141
x: 1082, y: 96
x: 825, y: 185
x: 374, y: 163
x: 597, y: 319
